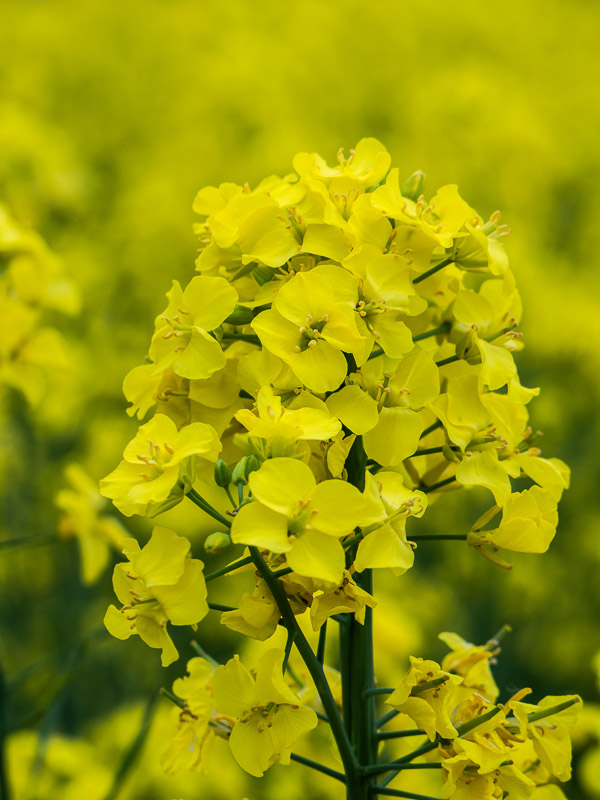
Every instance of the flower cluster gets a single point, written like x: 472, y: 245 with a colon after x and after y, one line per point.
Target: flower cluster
x: 344, y: 358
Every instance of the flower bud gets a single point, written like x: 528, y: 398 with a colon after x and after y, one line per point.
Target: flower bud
x: 217, y: 543
x: 240, y: 316
x: 252, y: 464
x: 238, y: 474
x: 413, y: 187
x: 222, y: 474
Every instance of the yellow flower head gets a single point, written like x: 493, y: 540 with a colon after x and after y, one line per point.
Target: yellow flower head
x: 158, y: 464
x: 182, y: 338
x: 274, y: 430
x: 292, y: 514
x: 269, y: 716
x: 192, y: 745
x: 424, y: 694
x: 160, y: 584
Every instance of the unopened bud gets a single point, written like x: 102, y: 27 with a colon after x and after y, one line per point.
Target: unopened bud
x: 240, y: 316
x: 217, y: 543
x: 222, y: 474
x: 252, y: 464
x: 238, y: 474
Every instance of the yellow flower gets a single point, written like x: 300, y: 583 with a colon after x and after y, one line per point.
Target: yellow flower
x: 528, y: 524
x: 160, y: 584
x: 97, y: 534
x: 191, y: 747
x: 364, y: 167
x: 429, y: 708
x: 412, y: 386
x: 182, y: 337
x: 270, y: 717
x: 465, y: 780
x: 386, y: 546
x: 292, y: 514
x: 550, y: 735
x: 282, y: 428
x: 481, y: 318
x: 311, y: 324
x: 158, y: 463
x: 343, y: 598
x: 472, y: 663
x: 258, y: 614
x: 461, y: 411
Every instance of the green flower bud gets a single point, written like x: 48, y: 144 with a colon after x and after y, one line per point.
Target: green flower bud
x: 217, y: 543
x: 222, y: 474
x: 413, y: 187
x: 238, y: 474
x: 240, y: 316
x: 252, y: 464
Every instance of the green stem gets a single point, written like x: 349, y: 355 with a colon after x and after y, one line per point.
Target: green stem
x: 428, y: 451
x: 377, y: 690
x: 322, y: 643
x: 435, y: 486
x: 547, y: 712
x: 443, y: 328
x: 172, y: 697
x: 242, y: 337
x: 313, y: 666
x: 230, y: 497
x: 197, y: 647
x: 387, y: 717
x: 307, y: 762
x: 220, y: 607
x: 399, y: 734
x: 376, y: 769
x: 425, y: 537
x: 375, y: 354
x: 400, y: 793
x: 449, y: 360
x: 242, y: 562
x: 207, y: 508
x: 354, y: 540
x: 433, y: 270
x: 288, y: 648
x: 497, y: 637
x: 433, y: 427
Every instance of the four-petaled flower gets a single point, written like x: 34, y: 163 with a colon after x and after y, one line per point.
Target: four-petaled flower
x: 160, y: 584
x: 269, y: 716
x: 158, y: 464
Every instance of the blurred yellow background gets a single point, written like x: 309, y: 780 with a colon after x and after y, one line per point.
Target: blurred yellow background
x: 112, y: 116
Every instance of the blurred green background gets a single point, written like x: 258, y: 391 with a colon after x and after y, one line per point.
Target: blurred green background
x: 112, y: 116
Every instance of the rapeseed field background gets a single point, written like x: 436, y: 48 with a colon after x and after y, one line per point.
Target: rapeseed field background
x: 112, y: 117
